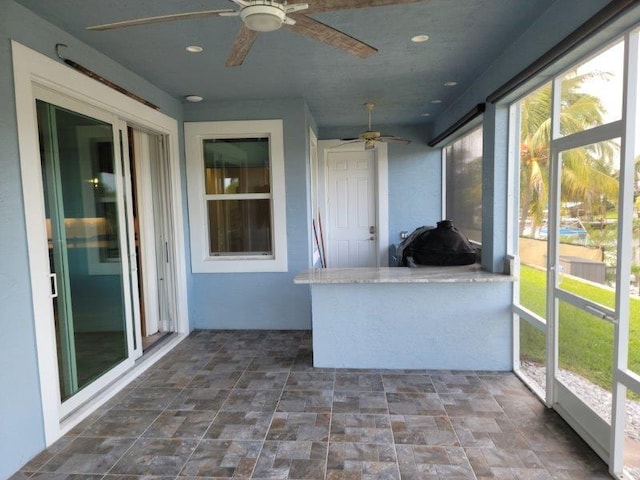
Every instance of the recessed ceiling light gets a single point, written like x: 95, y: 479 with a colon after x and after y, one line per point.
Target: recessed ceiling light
x: 450, y: 84
x: 419, y: 38
x: 194, y: 49
x: 193, y: 98
x: 436, y: 101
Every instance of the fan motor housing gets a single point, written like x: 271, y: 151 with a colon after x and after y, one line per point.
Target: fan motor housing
x: 263, y: 18
x: 369, y: 135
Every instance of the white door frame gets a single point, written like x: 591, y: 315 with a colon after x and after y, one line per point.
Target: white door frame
x: 31, y: 68
x: 381, y: 189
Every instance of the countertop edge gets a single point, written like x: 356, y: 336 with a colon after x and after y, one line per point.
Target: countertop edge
x: 400, y: 275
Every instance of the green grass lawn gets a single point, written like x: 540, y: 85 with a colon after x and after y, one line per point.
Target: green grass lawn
x: 586, y: 342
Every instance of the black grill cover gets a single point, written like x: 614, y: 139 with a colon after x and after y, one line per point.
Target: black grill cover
x: 443, y: 245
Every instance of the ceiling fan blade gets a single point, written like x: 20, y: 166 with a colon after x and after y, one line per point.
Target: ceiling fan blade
x: 329, y: 35
x: 241, y: 46
x: 158, y: 19
x: 349, y: 142
x: 318, y: 6
x: 391, y: 139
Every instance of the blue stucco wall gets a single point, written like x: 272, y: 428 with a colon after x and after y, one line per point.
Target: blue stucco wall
x: 262, y: 300
x: 21, y: 424
x: 413, y: 326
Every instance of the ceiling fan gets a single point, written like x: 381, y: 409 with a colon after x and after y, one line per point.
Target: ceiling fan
x: 371, y: 137
x: 269, y: 15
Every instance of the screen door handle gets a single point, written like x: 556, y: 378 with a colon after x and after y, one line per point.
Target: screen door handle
x: 53, y: 278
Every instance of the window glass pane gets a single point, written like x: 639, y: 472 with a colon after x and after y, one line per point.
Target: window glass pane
x: 239, y: 227
x: 591, y: 94
x: 236, y: 165
x: 588, y: 230
x: 535, y: 135
x: 464, y: 184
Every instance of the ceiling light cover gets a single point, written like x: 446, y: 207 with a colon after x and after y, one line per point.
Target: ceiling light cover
x: 419, y: 38
x: 450, y: 83
x: 436, y: 101
x: 263, y: 18
x: 193, y: 98
x: 194, y: 49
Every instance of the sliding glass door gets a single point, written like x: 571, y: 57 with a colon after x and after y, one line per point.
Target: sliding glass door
x: 81, y: 165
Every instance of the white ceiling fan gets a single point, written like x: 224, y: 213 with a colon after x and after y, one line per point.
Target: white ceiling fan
x: 371, y: 137
x: 269, y: 15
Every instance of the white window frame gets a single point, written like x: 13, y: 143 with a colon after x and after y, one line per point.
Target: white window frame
x: 201, y: 259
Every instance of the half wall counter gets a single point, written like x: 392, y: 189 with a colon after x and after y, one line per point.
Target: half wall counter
x: 443, y: 318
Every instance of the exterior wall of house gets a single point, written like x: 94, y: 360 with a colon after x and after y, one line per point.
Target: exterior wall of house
x: 262, y: 300
x: 21, y: 421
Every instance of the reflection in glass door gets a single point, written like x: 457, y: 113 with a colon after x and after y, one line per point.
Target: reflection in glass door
x: 83, y: 226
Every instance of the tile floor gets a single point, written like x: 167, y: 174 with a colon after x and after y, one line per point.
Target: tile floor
x: 249, y: 404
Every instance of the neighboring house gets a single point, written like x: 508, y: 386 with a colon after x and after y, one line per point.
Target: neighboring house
x: 259, y: 300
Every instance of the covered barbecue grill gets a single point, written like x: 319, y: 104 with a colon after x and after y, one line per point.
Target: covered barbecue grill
x: 441, y: 245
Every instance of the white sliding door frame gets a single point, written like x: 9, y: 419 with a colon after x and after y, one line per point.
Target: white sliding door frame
x: 31, y: 68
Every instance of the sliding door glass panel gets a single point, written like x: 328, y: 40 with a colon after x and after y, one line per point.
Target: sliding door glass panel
x: 588, y: 229
x: 585, y: 355
x: 533, y: 355
x: 591, y: 93
x: 78, y: 170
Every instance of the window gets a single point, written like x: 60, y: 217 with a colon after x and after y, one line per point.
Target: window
x: 235, y: 175
x: 463, y: 184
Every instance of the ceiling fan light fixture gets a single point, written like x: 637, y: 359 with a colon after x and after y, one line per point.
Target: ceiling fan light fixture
x: 263, y: 18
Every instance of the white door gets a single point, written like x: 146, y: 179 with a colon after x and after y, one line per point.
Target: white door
x: 351, y: 206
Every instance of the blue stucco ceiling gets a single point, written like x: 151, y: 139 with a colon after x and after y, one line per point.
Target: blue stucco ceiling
x: 402, y: 78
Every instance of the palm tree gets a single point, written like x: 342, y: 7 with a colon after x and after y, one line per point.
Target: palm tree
x: 587, y: 173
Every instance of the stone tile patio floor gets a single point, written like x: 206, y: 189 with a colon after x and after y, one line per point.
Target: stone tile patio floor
x: 249, y: 404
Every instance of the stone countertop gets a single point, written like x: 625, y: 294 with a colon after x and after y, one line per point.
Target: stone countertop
x: 426, y: 274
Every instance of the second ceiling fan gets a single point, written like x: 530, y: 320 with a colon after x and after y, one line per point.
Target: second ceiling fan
x: 269, y: 15
x: 371, y: 137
